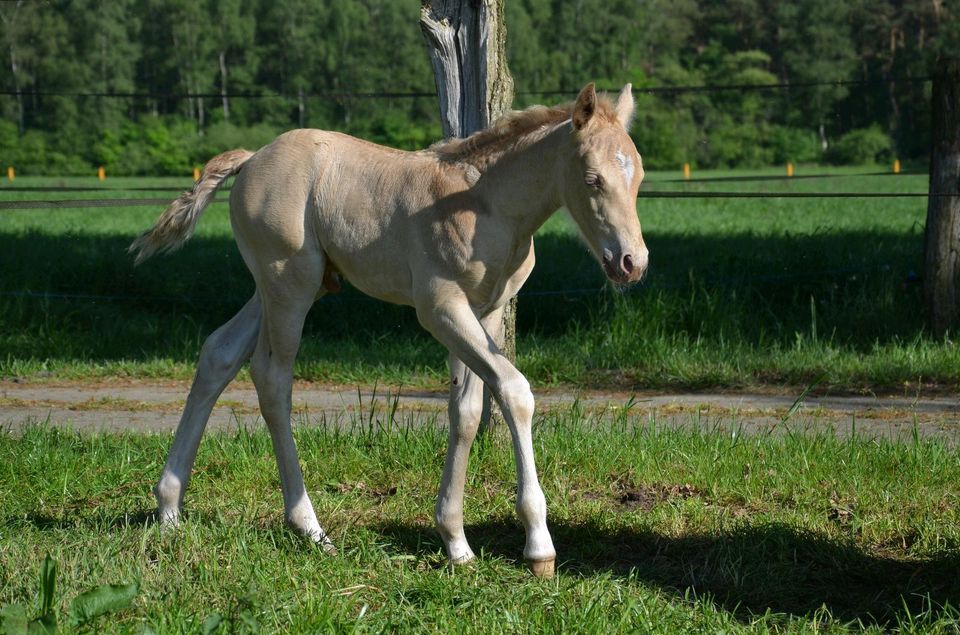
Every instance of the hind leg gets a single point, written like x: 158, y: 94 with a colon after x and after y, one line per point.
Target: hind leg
x: 224, y: 352
x: 286, y: 304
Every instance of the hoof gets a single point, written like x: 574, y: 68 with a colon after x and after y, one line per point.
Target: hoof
x: 542, y: 568
x: 168, y: 519
x: 456, y: 563
x: 321, y: 540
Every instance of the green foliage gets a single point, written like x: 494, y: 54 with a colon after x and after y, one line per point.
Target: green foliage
x: 102, y: 600
x: 285, y: 51
x: 861, y: 147
x: 792, y: 145
x: 83, y: 609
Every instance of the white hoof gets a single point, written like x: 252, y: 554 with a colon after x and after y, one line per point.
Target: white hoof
x: 168, y: 518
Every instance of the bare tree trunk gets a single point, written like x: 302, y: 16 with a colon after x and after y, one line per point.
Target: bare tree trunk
x: 21, y: 127
x: 9, y: 22
x: 223, y: 86
x: 301, y: 107
x: 467, y: 41
x: 941, y: 276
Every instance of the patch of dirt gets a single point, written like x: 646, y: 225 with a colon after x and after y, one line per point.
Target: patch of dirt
x: 646, y: 496
x: 155, y: 406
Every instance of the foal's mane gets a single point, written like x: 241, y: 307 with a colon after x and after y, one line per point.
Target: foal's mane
x: 509, y: 130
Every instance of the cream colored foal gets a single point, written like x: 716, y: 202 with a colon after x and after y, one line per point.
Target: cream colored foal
x: 448, y: 230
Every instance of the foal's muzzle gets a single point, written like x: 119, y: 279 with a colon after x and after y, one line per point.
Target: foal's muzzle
x: 623, y: 268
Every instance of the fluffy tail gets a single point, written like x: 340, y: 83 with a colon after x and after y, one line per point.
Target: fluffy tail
x: 176, y: 224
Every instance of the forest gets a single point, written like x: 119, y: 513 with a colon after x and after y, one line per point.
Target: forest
x: 155, y: 87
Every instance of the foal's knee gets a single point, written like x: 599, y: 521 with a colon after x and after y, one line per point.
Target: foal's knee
x: 517, y: 398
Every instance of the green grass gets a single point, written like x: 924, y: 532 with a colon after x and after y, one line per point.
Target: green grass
x: 741, y: 294
x: 658, y: 530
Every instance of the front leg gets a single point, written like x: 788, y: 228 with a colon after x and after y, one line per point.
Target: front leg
x: 453, y: 323
x: 466, y: 409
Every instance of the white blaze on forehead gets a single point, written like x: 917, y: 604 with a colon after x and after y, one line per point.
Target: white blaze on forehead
x: 626, y: 166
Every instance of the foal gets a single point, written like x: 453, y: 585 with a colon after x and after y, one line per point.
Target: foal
x: 447, y: 230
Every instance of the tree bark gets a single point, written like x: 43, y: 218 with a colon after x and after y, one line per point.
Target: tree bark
x: 941, y: 277
x: 467, y: 46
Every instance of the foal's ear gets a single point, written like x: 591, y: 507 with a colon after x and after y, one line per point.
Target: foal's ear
x: 625, y: 107
x: 585, y: 106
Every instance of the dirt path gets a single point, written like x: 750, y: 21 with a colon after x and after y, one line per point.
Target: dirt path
x: 155, y: 407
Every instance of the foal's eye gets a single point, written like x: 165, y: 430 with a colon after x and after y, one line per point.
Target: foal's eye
x: 594, y: 181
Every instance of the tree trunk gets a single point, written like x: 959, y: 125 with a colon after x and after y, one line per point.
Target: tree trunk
x: 301, y: 108
x: 223, y: 86
x: 467, y: 45
x: 941, y: 276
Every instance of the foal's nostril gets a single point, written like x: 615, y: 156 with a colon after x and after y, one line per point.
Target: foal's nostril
x: 628, y: 263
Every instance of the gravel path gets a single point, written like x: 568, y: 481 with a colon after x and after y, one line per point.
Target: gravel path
x: 155, y: 407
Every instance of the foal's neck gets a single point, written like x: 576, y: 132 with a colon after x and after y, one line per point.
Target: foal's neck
x: 521, y: 185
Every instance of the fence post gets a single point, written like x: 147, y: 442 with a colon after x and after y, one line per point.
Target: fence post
x: 941, y: 275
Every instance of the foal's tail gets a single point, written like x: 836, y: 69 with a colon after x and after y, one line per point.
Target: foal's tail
x: 176, y: 224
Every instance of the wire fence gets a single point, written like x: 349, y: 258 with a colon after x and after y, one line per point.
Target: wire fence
x: 646, y: 193
x: 828, y: 274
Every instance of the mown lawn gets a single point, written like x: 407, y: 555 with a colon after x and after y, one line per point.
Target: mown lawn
x: 658, y: 530
x: 742, y: 294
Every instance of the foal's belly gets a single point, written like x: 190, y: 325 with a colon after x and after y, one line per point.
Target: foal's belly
x: 368, y: 255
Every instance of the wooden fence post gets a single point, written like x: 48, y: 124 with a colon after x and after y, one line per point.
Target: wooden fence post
x: 467, y: 46
x: 941, y: 275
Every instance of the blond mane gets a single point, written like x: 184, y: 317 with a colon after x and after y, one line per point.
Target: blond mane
x: 509, y: 130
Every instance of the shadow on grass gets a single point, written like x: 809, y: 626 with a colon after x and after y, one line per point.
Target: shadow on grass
x: 747, y: 571
x: 76, y: 283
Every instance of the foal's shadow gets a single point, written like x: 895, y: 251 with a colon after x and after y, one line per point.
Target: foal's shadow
x: 746, y: 571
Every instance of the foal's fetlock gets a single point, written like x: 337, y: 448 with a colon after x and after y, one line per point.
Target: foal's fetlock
x: 168, y: 504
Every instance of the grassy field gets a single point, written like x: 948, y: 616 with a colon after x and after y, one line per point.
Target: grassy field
x: 742, y: 293
x: 695, y: 530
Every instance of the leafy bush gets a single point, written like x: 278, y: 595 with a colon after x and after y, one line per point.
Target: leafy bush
x: 224, y: 136
x: 859, y: 147
x: 793, y: 145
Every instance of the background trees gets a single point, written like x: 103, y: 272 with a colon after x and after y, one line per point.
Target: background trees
x: 311, y: 62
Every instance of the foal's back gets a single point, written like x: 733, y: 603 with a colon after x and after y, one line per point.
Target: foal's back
x: 337, y: 202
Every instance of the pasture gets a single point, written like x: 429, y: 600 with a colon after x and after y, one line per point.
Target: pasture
x: 741, y: 293
x: 664, y: 529
x: 660, y: 530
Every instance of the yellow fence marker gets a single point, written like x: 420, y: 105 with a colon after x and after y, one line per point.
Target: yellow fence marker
x: 789, y: 169
x: 11, y: 173
x: 196, y: 174
x: 101, y: 173
x: 896, y: 166
x: 686, y: 170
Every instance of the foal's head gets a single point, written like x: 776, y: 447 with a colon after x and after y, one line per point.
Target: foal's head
x: 601, y: 180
